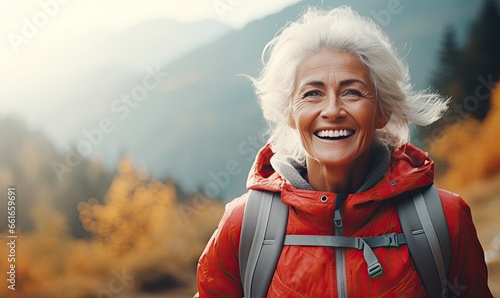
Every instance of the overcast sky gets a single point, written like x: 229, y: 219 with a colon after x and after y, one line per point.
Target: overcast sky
x: 37, y: 34
x: 74, y: 19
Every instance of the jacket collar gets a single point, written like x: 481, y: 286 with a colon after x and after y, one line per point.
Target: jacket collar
x: 293, y: 171
x: 408, y: 168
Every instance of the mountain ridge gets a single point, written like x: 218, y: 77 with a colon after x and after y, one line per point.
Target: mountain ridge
x: 219, y: 111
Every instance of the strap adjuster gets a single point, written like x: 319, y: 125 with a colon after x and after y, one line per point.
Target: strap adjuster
x: 375, y: 270
x: 374, y: 267
x: 391, y: 240
x: 359, y: 243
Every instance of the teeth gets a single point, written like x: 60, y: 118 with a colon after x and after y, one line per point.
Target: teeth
x: 334, y: 133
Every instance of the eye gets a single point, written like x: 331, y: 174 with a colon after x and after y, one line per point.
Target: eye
x: 312, y: 93
x: 352, y: 93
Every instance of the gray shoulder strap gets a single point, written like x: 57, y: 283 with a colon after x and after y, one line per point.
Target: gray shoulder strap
x: 427, y: 236
x: 261, y: 241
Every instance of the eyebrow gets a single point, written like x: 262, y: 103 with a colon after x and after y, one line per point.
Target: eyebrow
x: 350, y: 81
x: 317, y: 83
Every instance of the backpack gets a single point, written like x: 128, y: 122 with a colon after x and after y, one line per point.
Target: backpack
x: 424, y: 226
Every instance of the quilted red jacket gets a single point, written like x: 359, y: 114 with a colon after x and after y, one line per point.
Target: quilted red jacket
x: 311, y: 271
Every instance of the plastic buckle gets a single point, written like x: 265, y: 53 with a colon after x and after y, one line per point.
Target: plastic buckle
x: 360, y: 244
x: 375, y: 270
x: 391, y: 240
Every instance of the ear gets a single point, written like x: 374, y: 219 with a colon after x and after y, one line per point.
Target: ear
x: 291, y: 122
x: 291, y: 119
x: 381, y: 120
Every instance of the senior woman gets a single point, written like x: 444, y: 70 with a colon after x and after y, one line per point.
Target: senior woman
x: 339, y: 104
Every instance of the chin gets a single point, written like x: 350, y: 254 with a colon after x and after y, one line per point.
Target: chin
x: 332, y: 160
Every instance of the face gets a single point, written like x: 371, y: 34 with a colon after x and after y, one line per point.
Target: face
x: 335, y: 108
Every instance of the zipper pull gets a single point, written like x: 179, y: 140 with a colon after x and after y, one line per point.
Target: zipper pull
x: 337, y: 218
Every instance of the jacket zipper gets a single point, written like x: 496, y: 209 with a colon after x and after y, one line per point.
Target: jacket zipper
x: 339, y: 251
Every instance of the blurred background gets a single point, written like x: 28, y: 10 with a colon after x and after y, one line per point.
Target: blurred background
x: 125, y: 127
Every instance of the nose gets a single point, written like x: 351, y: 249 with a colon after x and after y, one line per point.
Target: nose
x: 333, y: 108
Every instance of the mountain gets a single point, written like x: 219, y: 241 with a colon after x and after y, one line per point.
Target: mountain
x: 72, y: 83
x: 208, y: 117
x: 200, y: 125
x: 160, y: 40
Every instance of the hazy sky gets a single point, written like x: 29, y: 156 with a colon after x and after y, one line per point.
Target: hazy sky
x: 37, y: 36
x: 47, y: 43
x: 74, y: 19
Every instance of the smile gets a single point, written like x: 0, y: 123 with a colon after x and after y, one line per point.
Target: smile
x: 334, y: 134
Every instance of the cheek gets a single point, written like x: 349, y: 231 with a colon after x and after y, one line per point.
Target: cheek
x: 302, y: 120
x: 298, y: 106
x: 366, y: 114
x: 301, y: 115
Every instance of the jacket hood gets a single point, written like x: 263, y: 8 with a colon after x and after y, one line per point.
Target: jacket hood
x: 409, y: 168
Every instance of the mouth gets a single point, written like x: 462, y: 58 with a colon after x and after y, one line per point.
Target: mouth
x: 338, y: 134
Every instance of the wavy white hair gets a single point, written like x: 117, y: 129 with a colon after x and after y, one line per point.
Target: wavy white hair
x: 340, y: 29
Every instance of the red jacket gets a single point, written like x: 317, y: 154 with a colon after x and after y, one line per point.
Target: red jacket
x: 311, y: 271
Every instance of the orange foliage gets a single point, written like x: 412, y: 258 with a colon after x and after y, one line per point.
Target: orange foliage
x: 140, y: 232
x: 470, y: 148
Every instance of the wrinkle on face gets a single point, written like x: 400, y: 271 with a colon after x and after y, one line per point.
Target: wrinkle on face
x: 334, y: 91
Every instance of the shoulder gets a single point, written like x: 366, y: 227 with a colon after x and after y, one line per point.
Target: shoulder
x: 235, y: 209
x: 458, y: 217
x: 218, y: 268
x: 224, y: 242
x: 468, y: 271
x: 454, y: 206
x: 230, y: 223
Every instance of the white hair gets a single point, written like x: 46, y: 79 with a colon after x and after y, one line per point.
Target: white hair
x: 340, y: 29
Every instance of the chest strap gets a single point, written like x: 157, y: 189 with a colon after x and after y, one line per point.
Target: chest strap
x: 362, y: 243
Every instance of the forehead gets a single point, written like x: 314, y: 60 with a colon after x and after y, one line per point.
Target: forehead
x: 334, y: 63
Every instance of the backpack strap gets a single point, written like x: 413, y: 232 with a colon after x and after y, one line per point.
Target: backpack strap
x: 261, y: 241
x: 426, y: 232
x: 362, y: 243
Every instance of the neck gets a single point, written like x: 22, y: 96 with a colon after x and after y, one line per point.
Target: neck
x: 338, y: 178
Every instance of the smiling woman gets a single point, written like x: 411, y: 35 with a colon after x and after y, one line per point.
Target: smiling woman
x: 339, y: 103
x: 335, y: 112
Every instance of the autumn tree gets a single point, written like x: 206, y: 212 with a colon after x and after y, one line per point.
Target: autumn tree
x: 466, y: 74
x: 480, y: 55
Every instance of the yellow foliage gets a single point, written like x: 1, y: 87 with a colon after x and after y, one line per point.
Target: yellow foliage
x: 470, y: 148
x: 140, y: 231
